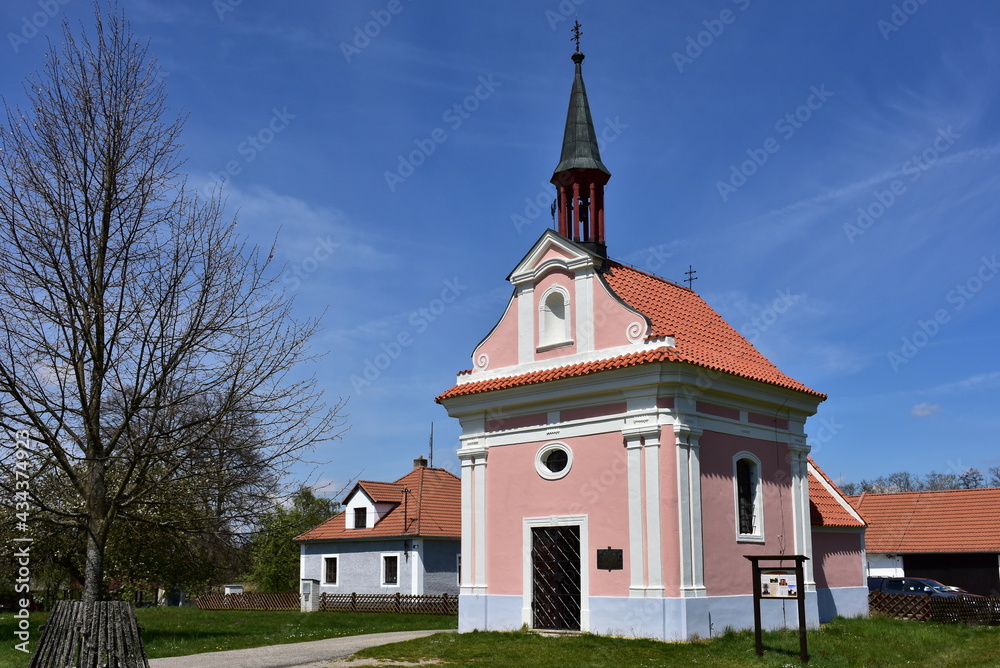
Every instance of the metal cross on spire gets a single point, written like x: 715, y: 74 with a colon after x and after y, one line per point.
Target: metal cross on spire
x: 576, y: 33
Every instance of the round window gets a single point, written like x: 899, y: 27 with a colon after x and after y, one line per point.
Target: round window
x: 553, y: 461
x: 556, y: 460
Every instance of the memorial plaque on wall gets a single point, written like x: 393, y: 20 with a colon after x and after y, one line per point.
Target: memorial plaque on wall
x: 609, y: 560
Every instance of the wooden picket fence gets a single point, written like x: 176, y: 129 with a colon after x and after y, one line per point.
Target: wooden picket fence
x: 250, y: 601
x: 983, y: 611
x: 427, y: 604
x: 91, y: 635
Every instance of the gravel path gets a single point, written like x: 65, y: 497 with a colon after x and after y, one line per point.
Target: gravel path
x: 314, y: 653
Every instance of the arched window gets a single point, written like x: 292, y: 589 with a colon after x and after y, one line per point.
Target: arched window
x: 749, y: 499
x: 553, y: 321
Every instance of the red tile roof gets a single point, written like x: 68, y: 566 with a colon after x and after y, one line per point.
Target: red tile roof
x: 957, y: 520
x: 702, y: 338
x: 431, y: 509
x: 382, y: 492
x: 828, y: 509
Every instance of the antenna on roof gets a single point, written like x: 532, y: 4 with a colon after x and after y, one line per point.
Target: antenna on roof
x: 432, y: 445
x: 691, y: 278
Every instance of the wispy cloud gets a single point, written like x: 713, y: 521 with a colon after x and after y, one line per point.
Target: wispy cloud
x: 981, y: 381
x: 925, y: 409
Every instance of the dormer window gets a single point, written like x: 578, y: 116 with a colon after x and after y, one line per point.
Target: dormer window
x: 553, y: 321
x: 360, y: 518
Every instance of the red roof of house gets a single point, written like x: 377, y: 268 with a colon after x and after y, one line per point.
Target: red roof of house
x: 828, y: 507
x: 955, y: 520
x: 432, y: 508
x: 381, y: 492
x: 701, y: 336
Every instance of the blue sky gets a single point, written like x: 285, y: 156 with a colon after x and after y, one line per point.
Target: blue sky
x: 829, y: 169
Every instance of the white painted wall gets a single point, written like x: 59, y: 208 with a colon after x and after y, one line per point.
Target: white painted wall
x: 885, y: 565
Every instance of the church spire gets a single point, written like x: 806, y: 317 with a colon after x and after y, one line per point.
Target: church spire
x: 580, y: 176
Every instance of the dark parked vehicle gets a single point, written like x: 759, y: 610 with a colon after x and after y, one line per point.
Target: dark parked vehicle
x: 916, y: 587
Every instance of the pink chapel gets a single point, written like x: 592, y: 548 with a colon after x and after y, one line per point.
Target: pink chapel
x: 623, y: 448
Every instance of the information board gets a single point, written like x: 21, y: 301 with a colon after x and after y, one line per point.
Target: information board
x: 778, y: 583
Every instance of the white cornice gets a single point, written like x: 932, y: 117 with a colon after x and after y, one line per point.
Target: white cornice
x: 531, y: 268
x: 685, y: 381
x: 568, y: 360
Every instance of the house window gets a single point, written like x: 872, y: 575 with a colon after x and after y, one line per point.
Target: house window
x: 330, y: 570
x: 553, y: 324
x: 553, y: 461
x: 360, y: 518
x: 749, y: 502
x: 390, y: 569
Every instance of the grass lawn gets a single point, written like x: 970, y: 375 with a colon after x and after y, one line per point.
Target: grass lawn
x: 844, y: 643
x: 180, y: 631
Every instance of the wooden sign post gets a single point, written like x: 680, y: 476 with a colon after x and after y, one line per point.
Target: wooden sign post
x: 780, y: 583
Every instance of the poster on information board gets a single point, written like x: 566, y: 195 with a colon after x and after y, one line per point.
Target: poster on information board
x: 778, y: 583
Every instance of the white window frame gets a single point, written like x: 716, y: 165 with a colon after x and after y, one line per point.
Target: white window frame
x: 543, y: 452
x: 322, y: 567
x: 547, y: 340
x: 399, y: 570
x: 758, y: 501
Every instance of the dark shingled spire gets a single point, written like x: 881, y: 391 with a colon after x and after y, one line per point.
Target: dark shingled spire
x: 579, y: 149
x: 581, y: 176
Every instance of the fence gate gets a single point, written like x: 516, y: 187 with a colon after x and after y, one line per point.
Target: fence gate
x: 555, y: 569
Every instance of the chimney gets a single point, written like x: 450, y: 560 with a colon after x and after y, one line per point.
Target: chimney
x: 420, y: 462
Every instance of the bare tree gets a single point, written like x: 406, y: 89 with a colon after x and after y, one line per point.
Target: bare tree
x: 971, y: 479
x: 994, y: 472
x: 135, y: 326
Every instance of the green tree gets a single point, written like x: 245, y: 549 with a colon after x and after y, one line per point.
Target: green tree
x: 274, y: 557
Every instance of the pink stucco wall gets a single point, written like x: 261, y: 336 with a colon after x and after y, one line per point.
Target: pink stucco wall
x: 597, y: 485
x: 726, y: 571
x: 612, y: 320
x: 500, y: 347
x: 837, y: 559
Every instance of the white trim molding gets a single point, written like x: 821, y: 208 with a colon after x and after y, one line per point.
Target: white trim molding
x: 529, y: 523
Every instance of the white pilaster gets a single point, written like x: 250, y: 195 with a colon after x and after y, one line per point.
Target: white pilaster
x: 417, y: 567
x: 480, y: 500
x: 654, y: 559
x: 473, y: 458
x: 584, y: 283
x: 637, y: 582
x: 800, y: 508
x: 525, y: 324
x: 689, y: 502
x: 466, y: 578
